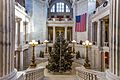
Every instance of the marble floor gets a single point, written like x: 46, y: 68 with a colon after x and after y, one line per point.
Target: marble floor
x: 60, y: 77
x: 49, y: 76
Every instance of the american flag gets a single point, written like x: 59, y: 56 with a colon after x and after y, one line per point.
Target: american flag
x: 81, y: 23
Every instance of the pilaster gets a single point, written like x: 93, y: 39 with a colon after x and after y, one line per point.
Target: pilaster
x: 25, y: 31
x: 103, y: 32
x: 98, y: 33
x: 18, y: 51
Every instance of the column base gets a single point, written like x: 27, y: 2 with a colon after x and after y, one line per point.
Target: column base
x: 111, y: 76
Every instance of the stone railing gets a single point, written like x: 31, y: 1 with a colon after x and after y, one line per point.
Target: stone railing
x: 87, y: 74
x: 34, y: 74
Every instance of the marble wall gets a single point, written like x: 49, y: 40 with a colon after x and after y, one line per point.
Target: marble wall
x: 39, y: 19
x: 81, y: 7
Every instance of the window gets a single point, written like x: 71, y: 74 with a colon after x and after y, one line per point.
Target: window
x: 53, y: 8
x: 60, y: 7
x: 67, y: 9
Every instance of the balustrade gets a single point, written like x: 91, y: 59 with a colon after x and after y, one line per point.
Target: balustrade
x: 87, y: 74
x: 60, y: 19
x: 34, y: 74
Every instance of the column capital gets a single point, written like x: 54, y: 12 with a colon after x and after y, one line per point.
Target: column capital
x: 66, y: 26
x: 18, y: 19
x: 54, y: 26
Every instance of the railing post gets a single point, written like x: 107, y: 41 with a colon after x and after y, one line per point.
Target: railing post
x: 95, y: 77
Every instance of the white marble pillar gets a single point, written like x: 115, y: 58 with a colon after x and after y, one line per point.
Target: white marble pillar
x: 92, y: 31
x: 103, y: 32
x: 18, y: 51
x: 114, y: 33
x: 91, y: 39
x: 54, y: 34
x: 18, y: 31
x: 99, y: 59
x: 103, y: 40
x: 74, y: 35
x: 7, y: 40
x: 98, y: 32
x: 66, y: 32
x: 25, y: 31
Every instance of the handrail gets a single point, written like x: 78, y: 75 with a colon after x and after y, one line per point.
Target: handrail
x: 87, y: 74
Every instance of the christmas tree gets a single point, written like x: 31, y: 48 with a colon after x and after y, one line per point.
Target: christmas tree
x: 60, y: 59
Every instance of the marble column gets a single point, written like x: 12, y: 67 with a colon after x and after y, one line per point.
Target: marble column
x: 91, y: 39
x: 103, y: 40
x: 74, y: 35
x: 18, y: 51
x: 98, y: 32
x: 25, y: 31
x: 18, y: 31
x: 114, y: 33
x: 99, y: 50
x: 66, y: 32
x: 54, y: 34
x: 7, y: 40
x: 103, y: 32
x: 93, y: 31
x: 70, y: 35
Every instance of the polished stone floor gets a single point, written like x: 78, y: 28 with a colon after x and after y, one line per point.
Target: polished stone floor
x: 60, y: 77
x: 49, y: 76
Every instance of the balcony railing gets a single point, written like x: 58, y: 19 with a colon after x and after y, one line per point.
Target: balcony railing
x: 59, y: 19
x: 34, y: 74
x: 87, y: 74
